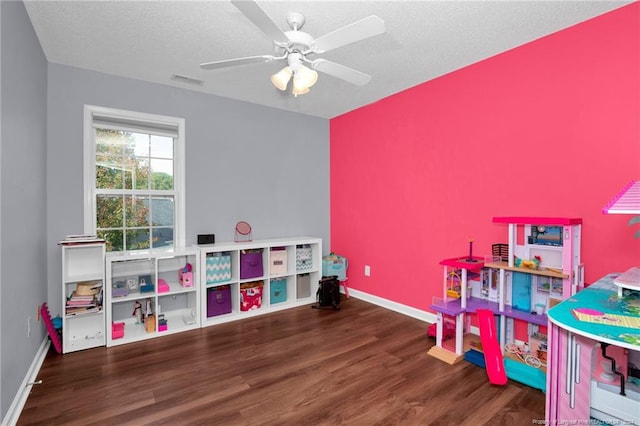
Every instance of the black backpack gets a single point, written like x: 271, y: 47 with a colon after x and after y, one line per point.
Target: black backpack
x: 328, y: 295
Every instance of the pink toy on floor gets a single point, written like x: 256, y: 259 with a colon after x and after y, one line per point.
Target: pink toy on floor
x: 53, y: 334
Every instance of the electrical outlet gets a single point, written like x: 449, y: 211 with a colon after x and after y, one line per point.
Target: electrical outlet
x: 28, y: 326
x: 367, y: 270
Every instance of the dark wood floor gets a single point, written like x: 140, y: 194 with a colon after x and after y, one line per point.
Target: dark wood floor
x: 362, y: 365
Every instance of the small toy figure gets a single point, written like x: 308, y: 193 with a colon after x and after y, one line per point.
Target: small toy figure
x: 137, y: 312
x: 148, y: 311
x: 185, y: 276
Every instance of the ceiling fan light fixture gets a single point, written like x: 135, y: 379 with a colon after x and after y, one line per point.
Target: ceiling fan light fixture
x: 294, y: 45
x: 306, y: 76
x: 299, y: 90
x: 281, y: 78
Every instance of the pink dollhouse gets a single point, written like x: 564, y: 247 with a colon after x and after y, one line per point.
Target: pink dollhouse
x: 541, y: 268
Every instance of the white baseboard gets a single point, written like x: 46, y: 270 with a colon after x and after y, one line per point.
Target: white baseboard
x: 394, y: 306
x: 12, y: 416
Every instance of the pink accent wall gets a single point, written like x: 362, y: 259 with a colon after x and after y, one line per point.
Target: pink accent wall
x: 549, y: 129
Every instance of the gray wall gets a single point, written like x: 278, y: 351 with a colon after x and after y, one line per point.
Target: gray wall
x: 23, y: 241
x: 243, y: 161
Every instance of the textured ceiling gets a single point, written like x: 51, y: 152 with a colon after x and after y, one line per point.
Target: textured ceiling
x: 152, y: 40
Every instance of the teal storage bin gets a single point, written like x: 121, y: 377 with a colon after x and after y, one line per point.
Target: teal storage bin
x: 218, y: 267
x: 334, y: 264
x: 278, y: 290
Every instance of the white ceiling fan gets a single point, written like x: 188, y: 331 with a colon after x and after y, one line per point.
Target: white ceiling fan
x: 297, y: 48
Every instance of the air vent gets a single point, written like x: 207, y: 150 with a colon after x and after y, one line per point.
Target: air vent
x: 187, y: 80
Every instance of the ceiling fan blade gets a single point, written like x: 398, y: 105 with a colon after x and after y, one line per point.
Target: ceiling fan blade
x: 257, y: 15
x: 359, y: 30
x: 237, y: 61
x: 340, y: 71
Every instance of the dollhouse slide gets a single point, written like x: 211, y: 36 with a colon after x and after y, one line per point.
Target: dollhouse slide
x: 491, y: 348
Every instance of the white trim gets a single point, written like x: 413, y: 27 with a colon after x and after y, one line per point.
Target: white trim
x: 179, y: 160
x: 1, y: 186
x: 394, y: 306
x: 180, y: 170
x: 13, y: 414
x: 89, y: 175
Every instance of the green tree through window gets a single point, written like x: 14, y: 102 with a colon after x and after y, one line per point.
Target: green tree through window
x: 134, y: 189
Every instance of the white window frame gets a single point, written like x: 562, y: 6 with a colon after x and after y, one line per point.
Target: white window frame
x: 152, y: 120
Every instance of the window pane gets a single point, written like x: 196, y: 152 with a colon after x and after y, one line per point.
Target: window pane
x: 109, y: 211
x: 108, y: 172
x: 140, y: 144
x: 129, y: 169
x: 161, y: 147
x: 162, y: 211
x: 109, y: 141
x: 162, y: 174
x: 137, y: 211
x: 137, y: 239
x: 162, y: 237
x: 141, y: 174
x: 113, y: 237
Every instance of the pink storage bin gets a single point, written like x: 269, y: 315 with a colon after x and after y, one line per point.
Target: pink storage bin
x: 251, y: 295
x: 278, y: 261
x: 117, y: 330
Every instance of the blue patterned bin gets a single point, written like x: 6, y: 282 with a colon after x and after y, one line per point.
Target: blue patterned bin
x: 334, y: 264
x: 218, y: 267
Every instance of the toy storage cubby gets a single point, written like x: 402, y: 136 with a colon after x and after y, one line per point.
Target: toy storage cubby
x: 83, y: 318
x: 290, y: 271
x: 166, y: 286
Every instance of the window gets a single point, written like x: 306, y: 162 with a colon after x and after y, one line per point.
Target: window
x: 134, y: 179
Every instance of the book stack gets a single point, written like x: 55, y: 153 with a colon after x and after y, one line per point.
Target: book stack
x: 75, y: 239
x: 81, y: 304
x: 162, y: 323
x: 86, y: 298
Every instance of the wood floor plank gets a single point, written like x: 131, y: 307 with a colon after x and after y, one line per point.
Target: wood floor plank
x: 362, y: 365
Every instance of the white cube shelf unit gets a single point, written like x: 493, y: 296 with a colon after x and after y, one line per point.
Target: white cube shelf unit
x: 154, y: 279
x: 291, y: 270
x: 82, y: 296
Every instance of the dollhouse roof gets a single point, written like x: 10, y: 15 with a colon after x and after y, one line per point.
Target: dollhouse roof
x: 528, y: 220
x: 627, y: 201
